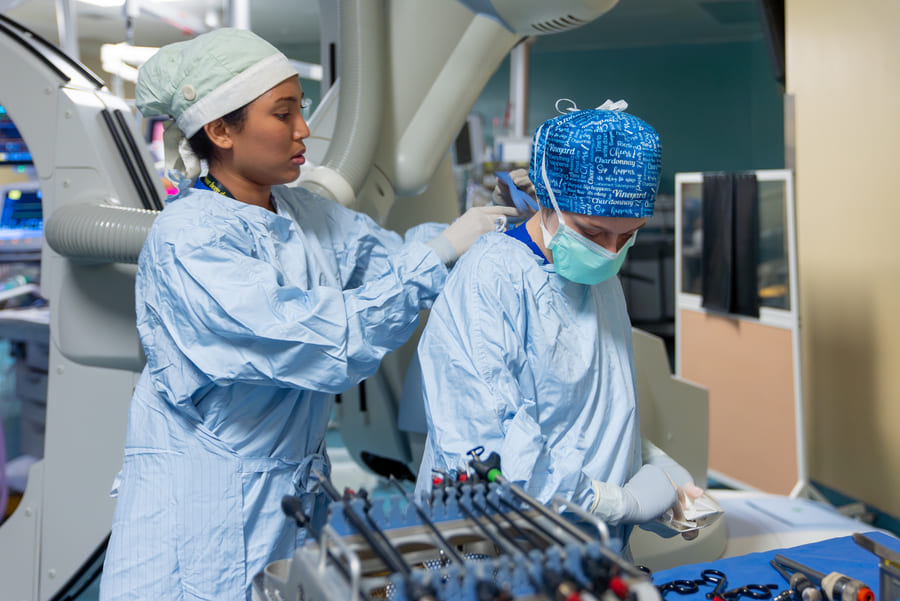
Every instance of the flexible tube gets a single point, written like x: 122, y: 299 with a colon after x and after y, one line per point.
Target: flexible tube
x: 99, y: 232
x: 358, y: 125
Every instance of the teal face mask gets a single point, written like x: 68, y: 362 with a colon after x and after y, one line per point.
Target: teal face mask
x: 575, y: 257
x: 580, y: 260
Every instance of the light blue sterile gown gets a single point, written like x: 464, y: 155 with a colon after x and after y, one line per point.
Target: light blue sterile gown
x: 519, y: 360
x: 250, y: 321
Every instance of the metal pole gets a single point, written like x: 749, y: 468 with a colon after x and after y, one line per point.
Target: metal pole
x: 239, y: 14
x: 518, y: 87
x: 67, y: 26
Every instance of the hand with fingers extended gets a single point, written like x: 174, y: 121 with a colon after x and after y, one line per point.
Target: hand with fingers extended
x: 462, y: 233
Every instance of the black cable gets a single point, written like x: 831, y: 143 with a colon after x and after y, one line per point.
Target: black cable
x: 531, y: 538
x: 444, y: 543
x: 9, y: 27
x: 490, y: 470
x: 485, y: 589
x: 490, y: 535
x: 367, y: 506
x: 532, y: 521
x: 389, y: 556
x: 136, y: 155
x: 373, y: 535
x: 117, y: 140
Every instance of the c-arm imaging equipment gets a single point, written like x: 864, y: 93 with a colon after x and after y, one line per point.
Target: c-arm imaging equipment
x: 410, y: 72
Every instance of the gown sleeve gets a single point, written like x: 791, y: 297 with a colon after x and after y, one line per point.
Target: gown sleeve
x: 476, y: 379
x: 212, y: 310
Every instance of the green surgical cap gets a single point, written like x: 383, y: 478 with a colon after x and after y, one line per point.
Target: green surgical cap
x: 197, y: 81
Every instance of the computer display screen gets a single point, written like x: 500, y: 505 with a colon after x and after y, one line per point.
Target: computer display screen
x: 21, y: 220
x: 22, y: 210
x: 13, y: 150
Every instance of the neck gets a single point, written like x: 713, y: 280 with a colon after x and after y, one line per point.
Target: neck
x: 244, y: 190
x: 533, y: 227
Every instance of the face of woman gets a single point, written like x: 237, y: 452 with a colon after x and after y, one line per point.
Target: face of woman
x: 268, y: 149
x: 609, y: 232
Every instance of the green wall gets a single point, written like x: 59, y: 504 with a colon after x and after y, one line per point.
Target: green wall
x: 716, y: 107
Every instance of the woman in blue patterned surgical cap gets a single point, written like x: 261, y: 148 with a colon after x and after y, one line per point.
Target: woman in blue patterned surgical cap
x: 527, y: 352
x: 256, y: 303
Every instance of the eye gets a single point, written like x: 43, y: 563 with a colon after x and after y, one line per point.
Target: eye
x: 305, y: 103
x: 281, y: 116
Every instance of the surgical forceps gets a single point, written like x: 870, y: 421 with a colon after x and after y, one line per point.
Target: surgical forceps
x: 754, y: 591
x: 720, y: 581
x: 688, y: 587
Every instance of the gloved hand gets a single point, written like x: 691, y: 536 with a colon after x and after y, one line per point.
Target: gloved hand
x: 645, y: 497
x: 685, y: 489
x: 524, y: 198
x: 462, y: 233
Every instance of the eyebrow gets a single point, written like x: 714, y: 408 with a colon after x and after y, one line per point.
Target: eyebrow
x: 589, y: 225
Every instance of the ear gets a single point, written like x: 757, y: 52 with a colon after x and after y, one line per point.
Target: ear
x: 219, y: 133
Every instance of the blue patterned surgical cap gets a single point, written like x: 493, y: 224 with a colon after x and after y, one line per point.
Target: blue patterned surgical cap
x: 598, y: 162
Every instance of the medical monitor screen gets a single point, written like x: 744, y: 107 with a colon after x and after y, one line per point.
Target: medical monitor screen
x: 21, y: 221
x: 22, y: 210
x: 13, y: 150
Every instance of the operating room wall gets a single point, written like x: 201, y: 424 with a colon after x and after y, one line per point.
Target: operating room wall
x: 843, y: 61
x: 716, y: 106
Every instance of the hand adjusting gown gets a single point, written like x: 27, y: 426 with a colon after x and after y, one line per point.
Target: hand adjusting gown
x: 250, y: 321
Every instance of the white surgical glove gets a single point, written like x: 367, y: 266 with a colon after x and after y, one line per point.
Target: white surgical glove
x: 645, y: 497
x: 462, y: 233
x: 686, y: 491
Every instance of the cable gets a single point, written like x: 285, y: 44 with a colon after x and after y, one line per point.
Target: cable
x: 486, y: 590
x: 379, y: 544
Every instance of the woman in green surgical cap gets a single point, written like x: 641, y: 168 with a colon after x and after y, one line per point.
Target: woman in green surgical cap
x: 256, y: 303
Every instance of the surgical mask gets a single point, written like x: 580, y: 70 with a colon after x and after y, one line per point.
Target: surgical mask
x: 580, y: 260
x: 574, y: 256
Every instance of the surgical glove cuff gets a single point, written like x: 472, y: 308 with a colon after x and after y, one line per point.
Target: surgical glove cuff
x: 444, y: 249
x: 610, y: 502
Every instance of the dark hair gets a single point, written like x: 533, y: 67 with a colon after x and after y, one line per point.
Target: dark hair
x: 203, y: 146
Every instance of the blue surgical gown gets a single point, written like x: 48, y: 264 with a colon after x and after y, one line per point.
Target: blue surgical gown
x: 251, y: 321
x: 521, y: 361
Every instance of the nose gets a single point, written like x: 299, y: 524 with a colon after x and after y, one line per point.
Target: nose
x: 612, y: 245
x: 301, y: 129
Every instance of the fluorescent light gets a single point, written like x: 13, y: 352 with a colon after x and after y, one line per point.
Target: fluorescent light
x: 103, y: 3
x: 123, y: 59
x: 114, y: 3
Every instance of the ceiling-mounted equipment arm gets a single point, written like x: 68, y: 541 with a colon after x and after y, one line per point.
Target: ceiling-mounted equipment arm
x: 358, y: 126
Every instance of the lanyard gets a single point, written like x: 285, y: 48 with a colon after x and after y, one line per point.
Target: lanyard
x: 216, y: 186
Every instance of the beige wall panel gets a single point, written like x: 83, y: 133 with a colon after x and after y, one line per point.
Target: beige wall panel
x: 843, y: 69
x: 748, y: 369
